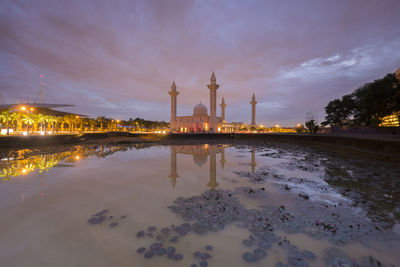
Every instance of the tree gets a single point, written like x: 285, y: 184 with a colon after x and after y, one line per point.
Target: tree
x: 312, y: 126
x: 300, y: 128
x: 5, y: 117
x: 367, y: 105
x: 376, y: 100
x: 14, y: 118
x: 340, y: 111
x: 52, y: 120
x: 28, y: 119
x: 102, y: 120
x: 18, y: 118
x: 42, y: 120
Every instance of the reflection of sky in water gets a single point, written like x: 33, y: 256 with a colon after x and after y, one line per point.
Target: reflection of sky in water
x: 49, y: 199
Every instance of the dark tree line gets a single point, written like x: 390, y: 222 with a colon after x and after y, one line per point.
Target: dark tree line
x: 367, y: 105
x: 146, y: 124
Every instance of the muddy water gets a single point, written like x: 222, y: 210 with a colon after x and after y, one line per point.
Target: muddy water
x: 343, y: 210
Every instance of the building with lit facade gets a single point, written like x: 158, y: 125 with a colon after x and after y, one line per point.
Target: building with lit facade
x: 200, y: 120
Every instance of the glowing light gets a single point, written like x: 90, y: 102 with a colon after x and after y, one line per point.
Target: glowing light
x: 25, y: 133
x: 118, y: 120
x: 261, y: 126
x: 277, y: 126
x: 163, y: 132
x: 298, y: 125
x: 50, y: 132
x: 24, y: 171
x: 41, y: 133
x: 77, y: 117
x: 77, y: 157
x: 23, y: 108
x: 219, y: 129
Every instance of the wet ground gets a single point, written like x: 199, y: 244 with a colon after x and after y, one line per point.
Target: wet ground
x: 197, y: 205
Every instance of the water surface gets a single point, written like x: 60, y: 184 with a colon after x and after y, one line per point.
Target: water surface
x: 292, y: 198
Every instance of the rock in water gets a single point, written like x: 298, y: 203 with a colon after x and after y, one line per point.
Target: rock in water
x: 149, y: 254
x: 249, y: 257
x: 96, y: 219
x: 141, y: 250
x: 178, y: 257
x: 140, y: 234
x: 308, y: 255
x: 209, y: 247
x: 259, y: 253
x: 114, y: 224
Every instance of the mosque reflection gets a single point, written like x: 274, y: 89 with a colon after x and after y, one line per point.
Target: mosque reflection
x: 201, y: 153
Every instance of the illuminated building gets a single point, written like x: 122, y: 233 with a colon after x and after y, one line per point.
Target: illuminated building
x: 200, y: 121
x: 391, y: 120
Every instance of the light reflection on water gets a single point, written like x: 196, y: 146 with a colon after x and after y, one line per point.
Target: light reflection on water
x: 45, y: 206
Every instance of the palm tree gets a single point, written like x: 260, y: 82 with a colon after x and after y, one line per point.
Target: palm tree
x: 42, y: 120
x: 28, y: 120
x: 92, y: 124
x: 14, y: 118
x: 48, y: 121
x: 5, y: 117
x: 101, y: 119
x: 52, y: 120
x: 18, y: 118
x: 69, y: 120
x: 35, y: 122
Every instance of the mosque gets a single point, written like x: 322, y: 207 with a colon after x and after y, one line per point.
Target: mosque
x: 200, y: 121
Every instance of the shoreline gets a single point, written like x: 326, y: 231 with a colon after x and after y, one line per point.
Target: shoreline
x: 385, y: 149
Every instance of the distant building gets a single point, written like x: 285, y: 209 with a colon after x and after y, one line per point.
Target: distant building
x: 391, y: 120
x: 232, y: 127
x: 397, y: 73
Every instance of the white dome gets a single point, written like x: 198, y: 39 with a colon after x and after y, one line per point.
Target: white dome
x: 199, y: 110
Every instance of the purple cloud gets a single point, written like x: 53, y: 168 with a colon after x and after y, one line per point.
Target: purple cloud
x: 119, y: 58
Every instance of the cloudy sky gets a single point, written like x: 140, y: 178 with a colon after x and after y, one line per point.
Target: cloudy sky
x: 118, y: 58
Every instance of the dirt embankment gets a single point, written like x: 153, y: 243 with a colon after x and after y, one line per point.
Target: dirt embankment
x: 386, y: 149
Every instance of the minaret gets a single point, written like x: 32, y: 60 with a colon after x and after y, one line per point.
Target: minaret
x: 253, y: 110
x: 223, y: 106
x: 173, y: 94
x: 213, y: 86
x: 213, y: 168
x: 173, y: 175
